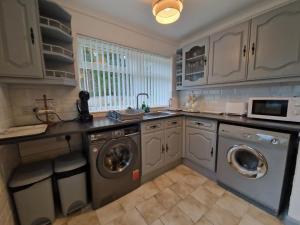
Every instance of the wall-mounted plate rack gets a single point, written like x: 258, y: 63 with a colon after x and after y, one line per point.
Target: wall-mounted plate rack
x: 55, y: 30
x: 57, y: 53
x: 55, y: 23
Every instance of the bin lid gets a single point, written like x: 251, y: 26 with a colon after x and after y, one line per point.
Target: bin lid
x: 69, y: 162
x: 31, y: 173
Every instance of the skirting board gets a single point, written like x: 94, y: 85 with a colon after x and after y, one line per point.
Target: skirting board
x: 156, y: 173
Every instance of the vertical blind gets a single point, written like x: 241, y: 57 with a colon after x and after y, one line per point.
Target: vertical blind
x: 114, y: 75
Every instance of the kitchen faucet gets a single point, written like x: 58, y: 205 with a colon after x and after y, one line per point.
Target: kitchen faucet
x: 137, y: 99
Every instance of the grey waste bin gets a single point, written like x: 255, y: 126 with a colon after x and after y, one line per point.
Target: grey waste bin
x: 70, y: 176
x: 31, y: 187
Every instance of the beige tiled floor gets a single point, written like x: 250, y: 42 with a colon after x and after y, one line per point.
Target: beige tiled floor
x: 179, y: 197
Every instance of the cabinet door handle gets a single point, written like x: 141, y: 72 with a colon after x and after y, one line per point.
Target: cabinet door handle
x: 153, y: 126
x: 212, y: 151
x: 205, y: 61
x: 162, y: 148
x: 32, y: 35
x: 167, y: 147
x: 174, y: 122
x: 199, y: 124
x: 244, y: 51
x: 253, y: 48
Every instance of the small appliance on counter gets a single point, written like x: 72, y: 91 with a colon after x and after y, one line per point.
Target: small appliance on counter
x: 83, y: 107
x: 275, y: 108
x: 125, y: 115
x: 236, y: 108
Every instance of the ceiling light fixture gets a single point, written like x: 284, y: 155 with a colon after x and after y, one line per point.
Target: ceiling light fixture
x: 167, y: 11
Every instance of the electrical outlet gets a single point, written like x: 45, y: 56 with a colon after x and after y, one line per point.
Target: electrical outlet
x: 27, y: 110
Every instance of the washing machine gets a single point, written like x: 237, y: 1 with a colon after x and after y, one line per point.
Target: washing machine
x: 115, y: 163
x: 253, y: 162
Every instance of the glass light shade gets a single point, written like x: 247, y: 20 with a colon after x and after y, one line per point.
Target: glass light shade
x: 167, y: 11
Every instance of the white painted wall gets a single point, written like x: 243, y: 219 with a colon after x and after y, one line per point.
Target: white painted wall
x: 107, y: 29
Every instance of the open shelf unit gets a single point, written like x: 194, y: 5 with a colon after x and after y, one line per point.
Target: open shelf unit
x: 55, y: 29
x: 179, y: 69
x: 57, y: 53
x: 57, y: 44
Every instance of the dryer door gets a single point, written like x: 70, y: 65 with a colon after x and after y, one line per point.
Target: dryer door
x: 117, y: 157
x: 247, y: 161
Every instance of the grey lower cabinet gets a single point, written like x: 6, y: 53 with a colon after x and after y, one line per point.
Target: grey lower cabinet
x: 200, y: 139
x: 20, y: 50
x: 275, y: 44
x: 153, y: 155
x: 228, y: 55
x: 161, y: 143
x: 173, y: 139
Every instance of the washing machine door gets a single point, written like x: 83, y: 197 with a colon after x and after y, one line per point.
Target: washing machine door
x: 247, y: 161
x: 117, y: 157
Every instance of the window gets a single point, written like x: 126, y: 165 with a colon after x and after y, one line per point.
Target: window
x: 114, y: 75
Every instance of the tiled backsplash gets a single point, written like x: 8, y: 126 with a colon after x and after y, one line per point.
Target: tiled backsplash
x: 23, y: 98
x: 215, y: 99
x: 31, y: 151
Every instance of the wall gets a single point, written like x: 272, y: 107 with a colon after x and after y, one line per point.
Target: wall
x: 23, y: 98
x: 215, y: 99
x: 9, y: 159
x: 108, y: 29
x: 31, y: 151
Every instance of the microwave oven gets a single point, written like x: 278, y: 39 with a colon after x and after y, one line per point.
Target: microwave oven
x: 275, y: 108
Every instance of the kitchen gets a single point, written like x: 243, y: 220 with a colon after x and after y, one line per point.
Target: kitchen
x: 219, y: 145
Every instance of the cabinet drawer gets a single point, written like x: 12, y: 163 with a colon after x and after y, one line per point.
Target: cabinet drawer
x: 204, y: 124
x: 152, y: 126
x: 173, y: 122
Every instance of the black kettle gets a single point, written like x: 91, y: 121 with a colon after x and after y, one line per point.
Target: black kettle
x: 83, y: 107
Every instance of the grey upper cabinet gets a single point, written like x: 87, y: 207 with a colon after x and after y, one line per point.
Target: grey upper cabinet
x: 20, y: 51
x: 228, y: 55
x: 153, y: 151
x: 195, y: 69
x: 173, y: 139
x: 275, y: 44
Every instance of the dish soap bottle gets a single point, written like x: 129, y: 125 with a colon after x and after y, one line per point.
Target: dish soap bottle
x: 144, y: 106
x: 147, y: 109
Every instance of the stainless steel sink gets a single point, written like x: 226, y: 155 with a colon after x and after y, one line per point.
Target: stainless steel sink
x: 157, y: 114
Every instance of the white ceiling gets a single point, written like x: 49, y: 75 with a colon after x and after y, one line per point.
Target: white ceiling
x: 196, y: 14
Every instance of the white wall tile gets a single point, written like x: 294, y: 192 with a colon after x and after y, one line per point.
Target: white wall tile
x: 216, y: 98
x: 24, y: 96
